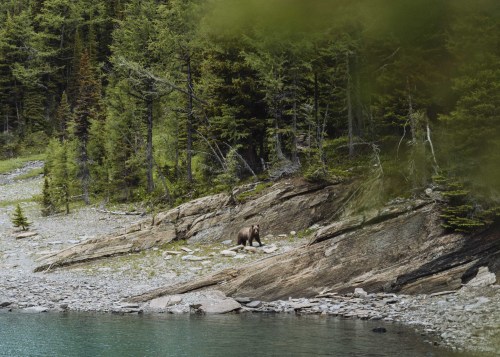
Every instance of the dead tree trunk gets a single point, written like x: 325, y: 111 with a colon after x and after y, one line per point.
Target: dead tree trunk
x: 149, y: 144
x: 295, y: 159
x: 189, y: 120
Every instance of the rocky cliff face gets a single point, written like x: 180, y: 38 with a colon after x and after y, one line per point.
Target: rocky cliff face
x: 401, y: 248
x: 285, y: 206
x: 409, y: 253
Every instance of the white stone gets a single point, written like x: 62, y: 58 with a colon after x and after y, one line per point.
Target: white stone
x: 194, y: 258
x: 35, y: 309
x: 270, y: 249
x: 228, y: 253
x: 360, y: 293
x: 483, y: 278
x: 254, y: 304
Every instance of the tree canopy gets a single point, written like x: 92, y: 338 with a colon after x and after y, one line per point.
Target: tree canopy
x: 170, y: 99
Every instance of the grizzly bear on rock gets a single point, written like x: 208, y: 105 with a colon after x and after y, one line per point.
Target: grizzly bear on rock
x: 249, y: 233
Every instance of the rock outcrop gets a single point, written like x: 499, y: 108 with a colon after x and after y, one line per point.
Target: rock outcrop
x: 409, y: 253
x: 403, y: 249
x: 399, y: 248
x: 287, y: 205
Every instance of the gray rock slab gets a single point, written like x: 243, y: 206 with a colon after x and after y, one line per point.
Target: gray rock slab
x: 161, y: 303
x: 243, y: 300
x: 35, y: 309
x: 223, y: 306
x: 254, y: 304
x: 483, y: 278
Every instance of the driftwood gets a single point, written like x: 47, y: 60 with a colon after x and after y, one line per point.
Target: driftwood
x: 72, y: 256
x: 121, y: 213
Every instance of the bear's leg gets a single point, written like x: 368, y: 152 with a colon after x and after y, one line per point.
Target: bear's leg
x: 250, y: 241
x: 258, y: 241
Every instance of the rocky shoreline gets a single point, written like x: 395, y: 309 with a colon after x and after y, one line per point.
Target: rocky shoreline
x: 466, y: 320
x: 463, y: 320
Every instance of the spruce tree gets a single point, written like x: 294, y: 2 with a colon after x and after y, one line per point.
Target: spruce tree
x: 47, y: 205
x: 19, y: 219
x: 88, y: 108
x: 63, y: 116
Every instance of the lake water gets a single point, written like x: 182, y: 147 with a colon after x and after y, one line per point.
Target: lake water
x: 73, y: 334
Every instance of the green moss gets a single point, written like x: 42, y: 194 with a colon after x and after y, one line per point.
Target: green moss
x: 305, y: 233
x: 248, y: 195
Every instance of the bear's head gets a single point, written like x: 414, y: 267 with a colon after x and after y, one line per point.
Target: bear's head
x: 255, y: 230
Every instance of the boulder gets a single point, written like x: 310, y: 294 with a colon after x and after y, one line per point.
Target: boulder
x: 35, y: 309
x: 161, y: 303
x: 254, y: 304
x: 483, y: 278
x: 360, y: 293
x: 222, y: 306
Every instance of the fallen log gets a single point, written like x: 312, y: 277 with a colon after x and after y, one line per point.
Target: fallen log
x: 120, y: 213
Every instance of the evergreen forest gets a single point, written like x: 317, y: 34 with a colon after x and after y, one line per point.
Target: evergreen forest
x: 161, y: 101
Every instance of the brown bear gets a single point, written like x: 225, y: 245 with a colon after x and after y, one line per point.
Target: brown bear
x: 249, y: 233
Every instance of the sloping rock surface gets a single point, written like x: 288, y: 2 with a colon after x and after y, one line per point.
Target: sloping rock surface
x: 402, y: 249
x: 287, y: 205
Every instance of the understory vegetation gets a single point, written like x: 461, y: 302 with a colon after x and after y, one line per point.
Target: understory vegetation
x: 165, y: 101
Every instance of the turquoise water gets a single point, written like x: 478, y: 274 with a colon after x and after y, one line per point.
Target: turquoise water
x: 75, y: 334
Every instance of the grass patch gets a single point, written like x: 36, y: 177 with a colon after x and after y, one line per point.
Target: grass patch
x: 18, y: 162
x: 248, y: 195
x: 4, y: 204
x: 31, y: 174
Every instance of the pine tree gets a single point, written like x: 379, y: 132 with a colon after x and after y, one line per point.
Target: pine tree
x: 125, y: 166
x: 61, y: 173
x: 63, y: 117
x: 47, y: 205
x: 87, y: 108
x: 135, y: 58
x: 177, y: 35
x: 471, y: 131
x: 19, y: 219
